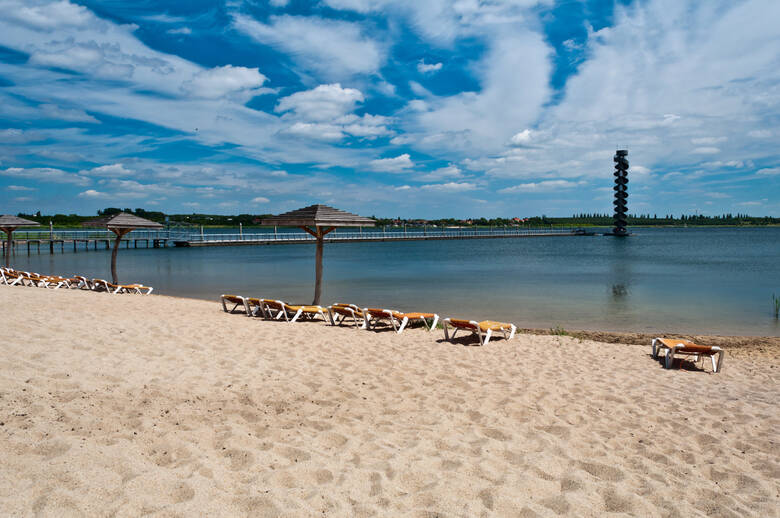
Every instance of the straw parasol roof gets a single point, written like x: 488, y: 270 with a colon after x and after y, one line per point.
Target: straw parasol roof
x: 120, y: 224
x: 122, y: 220
x: 324, y: 219
x: 8, y: 221
x: 318, y: 216
x: 8, y: 224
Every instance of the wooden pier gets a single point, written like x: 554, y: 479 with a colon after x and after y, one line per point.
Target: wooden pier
x: 60, y: 241
x: 54, y: 241
x: 380, y: 236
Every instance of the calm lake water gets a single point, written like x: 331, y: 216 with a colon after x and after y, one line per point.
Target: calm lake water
x: 686, y: 280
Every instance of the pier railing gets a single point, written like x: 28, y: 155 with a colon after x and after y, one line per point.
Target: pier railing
x: 373, y: 235
x: 178, y: 237
x: 81, y: 235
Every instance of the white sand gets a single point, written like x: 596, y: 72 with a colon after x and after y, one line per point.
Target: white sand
x: 129, y: 405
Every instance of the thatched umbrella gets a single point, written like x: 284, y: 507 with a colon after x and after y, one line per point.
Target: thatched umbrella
x: 318, y: 220
x: 120, y: 224
x: 8, y: 224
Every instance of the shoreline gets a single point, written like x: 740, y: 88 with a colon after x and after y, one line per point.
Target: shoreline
x: 602, y: 335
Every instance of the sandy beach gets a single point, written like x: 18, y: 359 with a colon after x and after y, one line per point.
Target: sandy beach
x: 128, y: 405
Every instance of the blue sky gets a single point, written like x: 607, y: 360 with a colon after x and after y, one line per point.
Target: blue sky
x: 454, y: 108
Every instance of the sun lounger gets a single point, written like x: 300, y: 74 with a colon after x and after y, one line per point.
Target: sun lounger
x: 272, y: 309
x: 12, y: 277
x: 398, y: 319
x: 80, y: 282
x: 140, y: 289
x: 678, y: 347
x: 483, y: 329
x: 277, y: 309
x: 236, y: 300
x: 346, y: 311
x: 32, y: 279
x: 45, y: 281
x: 254, y: 307
x: 54, y: 282
x: 110, y: 287
x: 100, y: 285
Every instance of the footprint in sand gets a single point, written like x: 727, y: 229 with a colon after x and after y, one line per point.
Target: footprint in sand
x: 614, y: 502
x: 487, y: 498
x: 55, y: 504
x: 570, y: 484
x: 239, y: 459
x: 256, y: 506
x: 293, y: 454
x: 51, y: 449
x: 183, y: 493
x: 496, y: 434
x: 323, y: 476
x: 449, y: 465
x: 557, y: 504
x: 603, y: 471
x: 376, y: 484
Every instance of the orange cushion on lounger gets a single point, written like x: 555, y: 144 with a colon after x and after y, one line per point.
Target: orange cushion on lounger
x: 687, y: 345
x: 495, y: 326
x: 412, y: 316
x: 306, y: 309
x: 465, y: 324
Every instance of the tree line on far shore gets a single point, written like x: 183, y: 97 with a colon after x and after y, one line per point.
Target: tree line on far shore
x: 576, y: 220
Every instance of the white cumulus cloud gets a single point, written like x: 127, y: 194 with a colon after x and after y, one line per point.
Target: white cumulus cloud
x: 325, y: 102
x: 218, y: 82
x: 108, y: 171
x: 426, y: 68
x: 392, y: 165
x: 92, y: 193
x: 46, y: 16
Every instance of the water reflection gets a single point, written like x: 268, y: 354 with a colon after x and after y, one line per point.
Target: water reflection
x: 620, y: 274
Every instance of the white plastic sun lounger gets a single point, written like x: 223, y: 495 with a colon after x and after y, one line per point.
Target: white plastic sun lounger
x: 236, y: 300
x: 483, y: 329
x: 678, y: 347
x: 339, y: 313
x: 254, y: 307
x: 398, y: 319
x: 277, y: 309
x: 12, y: 277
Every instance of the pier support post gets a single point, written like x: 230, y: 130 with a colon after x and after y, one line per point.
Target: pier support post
x: 9, y: 231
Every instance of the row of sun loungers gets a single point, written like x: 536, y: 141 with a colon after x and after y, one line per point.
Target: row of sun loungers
x: 369, y: 318
x: 362, y: 318
x: 13, y: 277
